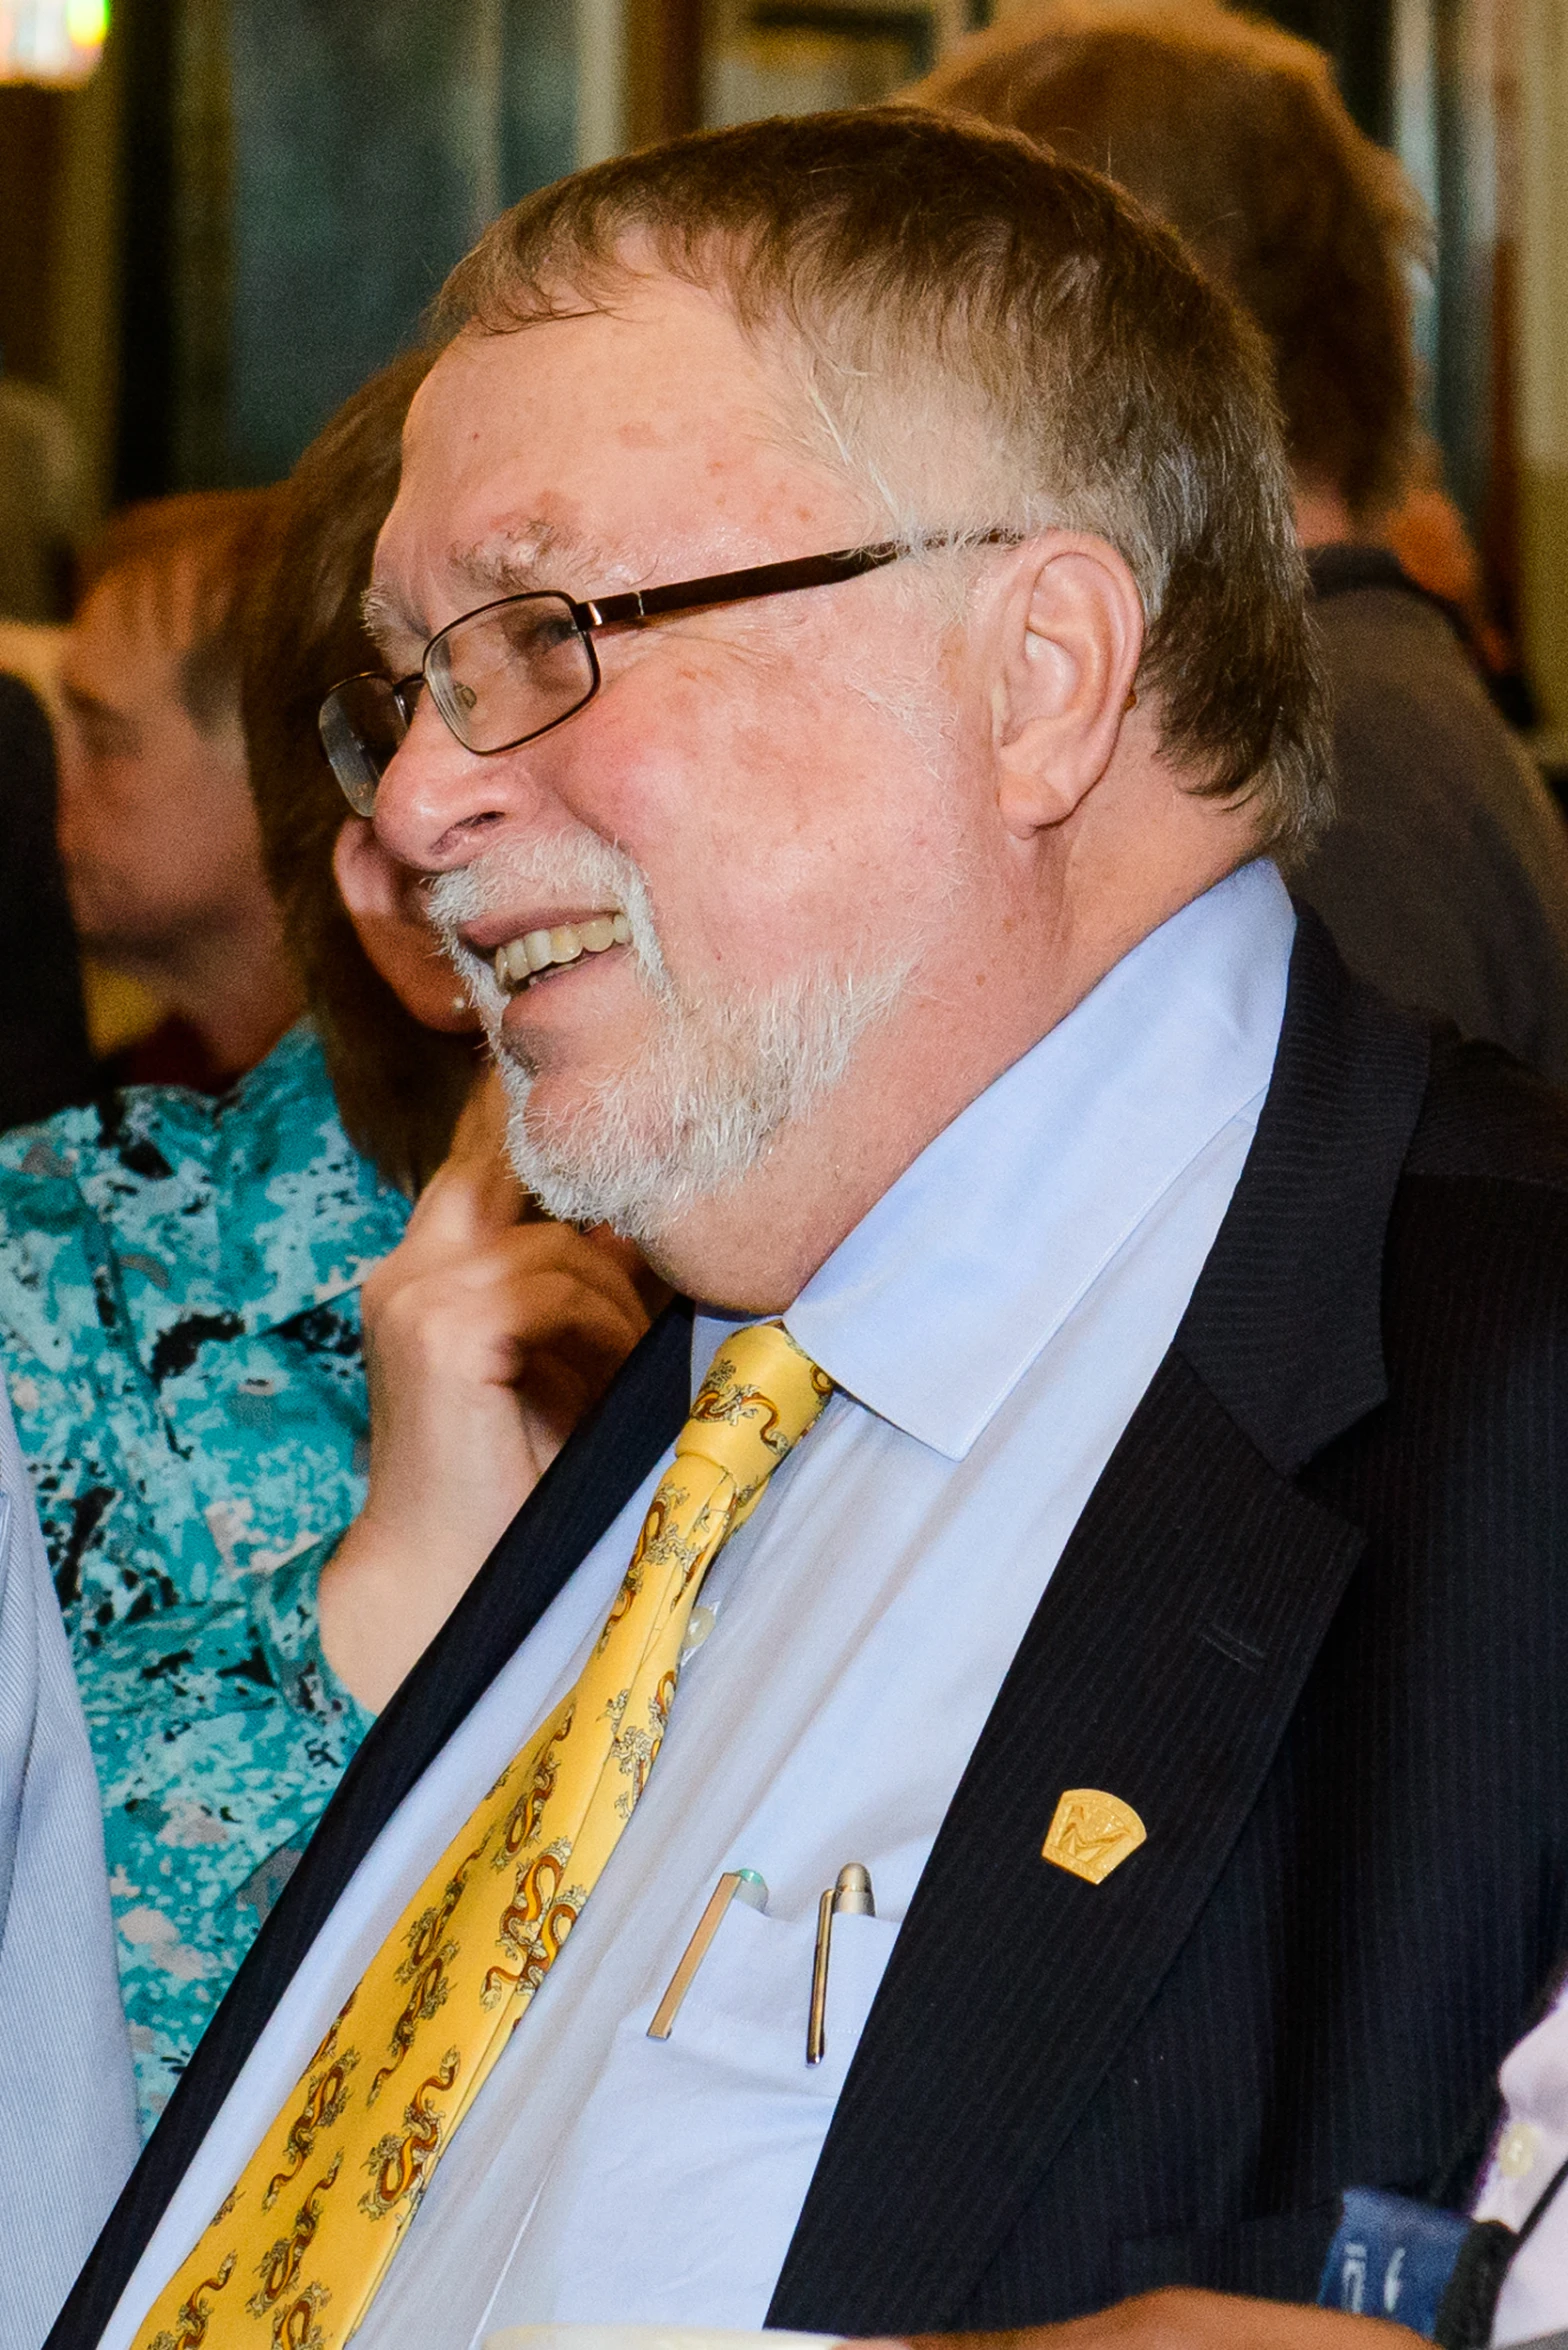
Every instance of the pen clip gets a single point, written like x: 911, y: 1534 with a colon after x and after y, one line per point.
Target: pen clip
x: 817, y: 2019
x: 850, y: 1896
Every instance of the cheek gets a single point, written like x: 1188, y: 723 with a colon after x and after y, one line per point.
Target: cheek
x: 773, y: 824
x: 408, y: 959
x: 100, y: 813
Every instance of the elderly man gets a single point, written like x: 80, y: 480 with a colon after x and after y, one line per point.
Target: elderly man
x: 846, y: 667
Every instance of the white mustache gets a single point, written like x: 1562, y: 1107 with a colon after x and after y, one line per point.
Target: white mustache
x: 576, y: 864
x: 721, y: 1072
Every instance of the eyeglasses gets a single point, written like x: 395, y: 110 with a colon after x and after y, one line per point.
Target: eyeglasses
x: 513, y: 669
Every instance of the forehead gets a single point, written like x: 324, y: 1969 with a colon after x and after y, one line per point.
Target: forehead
x: 601, y: 447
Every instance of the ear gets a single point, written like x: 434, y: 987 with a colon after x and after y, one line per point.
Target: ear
x: 385, y: 907
x: 1071, y: 636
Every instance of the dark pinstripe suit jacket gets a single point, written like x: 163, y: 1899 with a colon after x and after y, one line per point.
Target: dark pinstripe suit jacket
x: 1313, y: 1623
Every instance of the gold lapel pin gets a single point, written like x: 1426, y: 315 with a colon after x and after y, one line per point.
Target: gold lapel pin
x: 1092, y: 1833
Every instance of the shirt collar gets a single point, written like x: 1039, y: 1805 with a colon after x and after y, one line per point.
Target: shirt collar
x: 936, y: 1304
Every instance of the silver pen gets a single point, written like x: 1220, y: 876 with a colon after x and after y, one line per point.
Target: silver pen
x: 851, y: 1897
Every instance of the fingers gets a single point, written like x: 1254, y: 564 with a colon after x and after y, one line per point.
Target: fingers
x: 482, y: 1314
x: 474, y: 1192
x: 598, y: 1259
x: 554, y: 1314
x: 480, y: 1132
x: 467, y: 1203
x: 654, y: 1292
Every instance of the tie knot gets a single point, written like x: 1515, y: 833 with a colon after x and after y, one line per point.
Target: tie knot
x: 759, y: 1398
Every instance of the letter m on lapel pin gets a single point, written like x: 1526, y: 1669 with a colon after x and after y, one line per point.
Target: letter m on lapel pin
x: 1092, y: 1833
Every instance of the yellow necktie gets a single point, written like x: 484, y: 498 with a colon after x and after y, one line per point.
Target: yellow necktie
x: 295, y: 2255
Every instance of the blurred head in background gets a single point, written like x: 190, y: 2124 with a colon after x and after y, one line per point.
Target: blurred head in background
x: 396, y: 1027
x: 157, y: 830
x: 1235, y: 133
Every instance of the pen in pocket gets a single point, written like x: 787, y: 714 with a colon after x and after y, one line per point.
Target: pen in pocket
x: 851, y: 1896
x: 735, y: 1885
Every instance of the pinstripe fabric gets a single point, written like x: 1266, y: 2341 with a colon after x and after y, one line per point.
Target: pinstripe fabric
x: 1399, y: 1888
x: 1309, y: 1624
x: 65, y: 2065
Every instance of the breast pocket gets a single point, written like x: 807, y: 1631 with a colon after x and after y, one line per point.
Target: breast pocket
x: 679, y: 2185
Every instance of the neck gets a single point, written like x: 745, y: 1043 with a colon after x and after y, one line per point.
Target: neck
x: 237, y: 988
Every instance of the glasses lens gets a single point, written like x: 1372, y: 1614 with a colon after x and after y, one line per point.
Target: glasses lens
x: 509, y: 672
x: 362, y: 724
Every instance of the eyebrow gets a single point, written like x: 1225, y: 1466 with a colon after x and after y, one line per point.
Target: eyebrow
x: 387, y: 620
x: 519, y: 559
x: 87, y: 704
x: 538, y: 554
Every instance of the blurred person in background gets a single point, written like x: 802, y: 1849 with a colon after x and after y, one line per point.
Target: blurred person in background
x: 40, y: 500
x: 180, y: 1320
x: 157, y: 830
x: 1445, y: 877
x: 45, y: 1058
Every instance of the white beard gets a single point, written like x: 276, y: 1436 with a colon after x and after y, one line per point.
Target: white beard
x: 723, y: 1075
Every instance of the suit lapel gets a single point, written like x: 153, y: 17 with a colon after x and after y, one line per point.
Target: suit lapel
x: 1162, y: 1666
x: 593, y: 1478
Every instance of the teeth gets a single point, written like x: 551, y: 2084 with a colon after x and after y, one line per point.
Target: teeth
x: 542, y: 950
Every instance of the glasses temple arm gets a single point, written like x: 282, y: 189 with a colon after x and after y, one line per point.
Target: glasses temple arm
x: 734, y: 587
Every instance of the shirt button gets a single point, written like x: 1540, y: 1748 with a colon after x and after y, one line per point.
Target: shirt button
x: 698, y: 1625
x: 1516, y: 2150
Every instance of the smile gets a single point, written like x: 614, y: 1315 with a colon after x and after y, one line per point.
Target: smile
x: 520, y: 960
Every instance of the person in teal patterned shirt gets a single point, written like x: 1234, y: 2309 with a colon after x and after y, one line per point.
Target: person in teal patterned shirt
x: 180, y: 1319
x: 179, y: 1315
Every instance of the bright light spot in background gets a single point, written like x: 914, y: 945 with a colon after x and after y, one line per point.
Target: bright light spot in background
x: 86, y: 22
x: 51, y: 40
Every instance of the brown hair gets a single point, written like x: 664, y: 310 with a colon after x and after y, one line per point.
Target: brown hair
x: 188, y: 563
x: 994, y: 339
x: 399, y: 1085
x: 1235, y: 133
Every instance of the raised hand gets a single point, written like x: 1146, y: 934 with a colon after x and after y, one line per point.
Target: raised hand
x: 486, y: 1338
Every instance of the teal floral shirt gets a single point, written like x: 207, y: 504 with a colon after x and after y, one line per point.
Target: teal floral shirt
x: 179, y: 1323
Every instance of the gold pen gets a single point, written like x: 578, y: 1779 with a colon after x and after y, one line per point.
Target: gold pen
x: 742, y: 1884
x: 851, y: 1896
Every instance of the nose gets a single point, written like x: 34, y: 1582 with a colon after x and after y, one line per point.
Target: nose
x: 437, y: 804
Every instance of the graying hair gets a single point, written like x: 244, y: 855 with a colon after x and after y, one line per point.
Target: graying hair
x: 985, y: 338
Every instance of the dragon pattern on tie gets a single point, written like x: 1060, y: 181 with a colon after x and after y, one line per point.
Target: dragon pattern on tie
x: 293, y: 2258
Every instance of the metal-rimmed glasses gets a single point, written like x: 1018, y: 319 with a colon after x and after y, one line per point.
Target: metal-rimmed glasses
x: 513, y: 669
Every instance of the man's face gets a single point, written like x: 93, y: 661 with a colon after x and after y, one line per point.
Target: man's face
x: 771, y: 791
x: 157, y: 832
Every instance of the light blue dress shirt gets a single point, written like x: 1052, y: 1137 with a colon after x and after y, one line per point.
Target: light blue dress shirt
x: 991, y: 1325
x: 65, y: 2060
